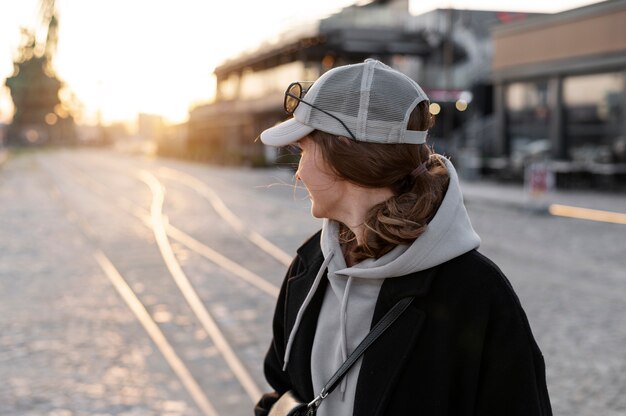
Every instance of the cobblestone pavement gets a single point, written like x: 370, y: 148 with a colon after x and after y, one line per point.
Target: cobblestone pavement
x: 69, y: 345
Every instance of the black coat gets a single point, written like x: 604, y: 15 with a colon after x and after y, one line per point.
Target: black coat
x: 463, y: 347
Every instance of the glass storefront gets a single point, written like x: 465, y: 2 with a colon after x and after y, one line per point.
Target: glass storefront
x: 275, y: 80
x: 528, y: 119
x: 250, y: 85
x: 593, y: 109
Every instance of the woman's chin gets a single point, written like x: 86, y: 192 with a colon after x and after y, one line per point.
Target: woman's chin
x: 315, y: 215
x: 316, y: 212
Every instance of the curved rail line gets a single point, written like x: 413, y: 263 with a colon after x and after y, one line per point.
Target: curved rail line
x: 138, y: 309
x: 191, y: 243
x: 157, y: 221
x: 155, y: 333
x: 222, y: 210
x: 190, y: 294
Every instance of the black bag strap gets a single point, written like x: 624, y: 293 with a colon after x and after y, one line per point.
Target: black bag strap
x: 377, y: 331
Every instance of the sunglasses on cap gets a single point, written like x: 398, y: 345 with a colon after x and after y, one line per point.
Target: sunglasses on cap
x: 293, y: 97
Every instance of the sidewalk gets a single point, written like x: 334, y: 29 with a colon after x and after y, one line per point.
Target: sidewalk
x: 486, y: 191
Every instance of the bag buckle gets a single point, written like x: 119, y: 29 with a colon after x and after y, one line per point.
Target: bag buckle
x: 318, y: 400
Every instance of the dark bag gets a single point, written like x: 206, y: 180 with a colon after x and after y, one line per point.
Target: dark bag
x: 290, y: 405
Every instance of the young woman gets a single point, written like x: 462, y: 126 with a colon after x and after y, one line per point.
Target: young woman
x: 394, y: 227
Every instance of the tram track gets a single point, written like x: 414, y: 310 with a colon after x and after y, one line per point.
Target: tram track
x: 158, y: 223
x: 226, y: 214
x: 137, y: 307
x: 154, y: 332
x: 220, y: 208
x: 185, y: 239
x: 189, y: 293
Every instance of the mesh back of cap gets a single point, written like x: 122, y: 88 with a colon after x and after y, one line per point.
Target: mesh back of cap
x: 390, y: 104
x: 373, y: 100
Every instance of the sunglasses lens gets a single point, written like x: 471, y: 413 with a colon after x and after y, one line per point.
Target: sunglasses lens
x: 291, y: 97
x: 290, y: 104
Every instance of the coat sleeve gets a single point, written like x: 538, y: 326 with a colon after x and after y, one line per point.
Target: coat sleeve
x: 512, y: 378
x: 273, y: 364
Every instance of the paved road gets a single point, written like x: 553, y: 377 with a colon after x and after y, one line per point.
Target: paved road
x: 69, y: 344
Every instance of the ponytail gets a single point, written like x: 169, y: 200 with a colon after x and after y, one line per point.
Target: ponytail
x: 402, y: 218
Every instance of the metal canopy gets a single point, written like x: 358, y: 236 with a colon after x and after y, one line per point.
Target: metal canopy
x: 351, y: 43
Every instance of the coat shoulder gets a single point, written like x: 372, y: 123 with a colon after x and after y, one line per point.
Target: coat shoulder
x: 477, y: 277
x: 473, y: 272
x: 474, y: 264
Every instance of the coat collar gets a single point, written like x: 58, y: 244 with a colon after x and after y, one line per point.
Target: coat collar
x: 299, y: 366
x: 394, y: 346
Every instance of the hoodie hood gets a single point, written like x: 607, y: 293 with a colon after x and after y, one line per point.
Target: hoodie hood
x: 448, y: 235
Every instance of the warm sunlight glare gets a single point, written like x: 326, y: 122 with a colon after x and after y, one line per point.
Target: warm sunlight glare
x: 119, y: 58
x: 158, y: 57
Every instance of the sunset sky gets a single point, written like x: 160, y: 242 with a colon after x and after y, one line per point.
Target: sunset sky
x: 157, y: 56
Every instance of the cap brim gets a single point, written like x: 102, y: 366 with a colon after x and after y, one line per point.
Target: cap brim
x: 287, y: 132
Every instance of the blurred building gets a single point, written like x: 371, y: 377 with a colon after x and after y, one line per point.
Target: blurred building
x: 149, y: 127
x: 447, y: 51
x: 173, y: 141
x: 560, y: 92
x: 99, y: 135
x: 250, y: 87
x: 456, y: 74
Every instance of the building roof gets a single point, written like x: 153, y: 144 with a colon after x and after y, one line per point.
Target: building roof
x: 587, y: 39
x: 584, y: 12
x: 356, y: 32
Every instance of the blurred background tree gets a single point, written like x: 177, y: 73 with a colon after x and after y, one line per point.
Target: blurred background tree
x: 40, y: 115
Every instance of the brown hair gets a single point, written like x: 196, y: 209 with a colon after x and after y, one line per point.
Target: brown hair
x: 403, y: 217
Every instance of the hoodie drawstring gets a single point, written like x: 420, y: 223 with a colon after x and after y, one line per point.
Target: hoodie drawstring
x: 343, y: 333
x: 305, y: 304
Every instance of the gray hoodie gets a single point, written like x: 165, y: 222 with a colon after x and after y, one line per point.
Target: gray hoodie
x: 348, y: 306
